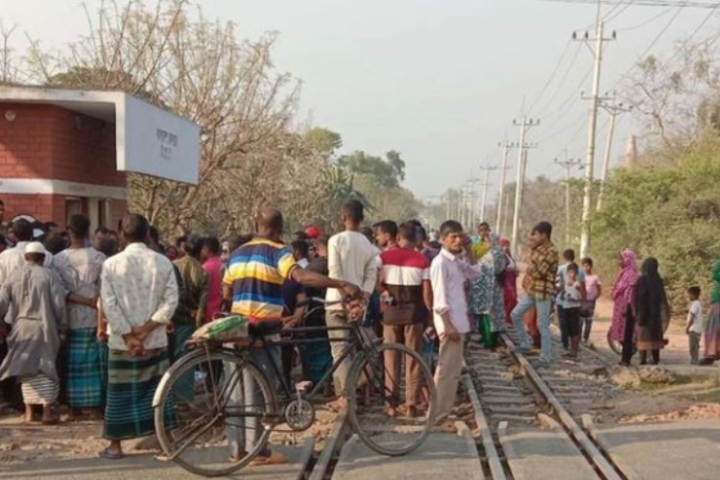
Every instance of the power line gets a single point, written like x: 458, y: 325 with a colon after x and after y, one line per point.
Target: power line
x: 642, y: 3
x: 562, y: 104
x: 609, y: 17
x: 552, y: 75
x: 646, y: 22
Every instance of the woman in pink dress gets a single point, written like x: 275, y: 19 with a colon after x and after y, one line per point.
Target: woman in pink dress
x: 510, y: 274
x: 622, y: 294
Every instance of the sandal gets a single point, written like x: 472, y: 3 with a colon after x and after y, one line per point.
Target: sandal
x: 274, y: 458
x: 111, y: 454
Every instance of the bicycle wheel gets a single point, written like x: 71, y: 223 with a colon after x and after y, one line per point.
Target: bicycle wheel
x: 386, y: 383
x: 231, y: 406
x: 615, y: 346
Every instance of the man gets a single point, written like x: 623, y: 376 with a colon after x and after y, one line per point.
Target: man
x: 568, y: 258
x: 406, y: 292
x: 301, y: 252
x: 253, y: 283
x: 139, y: 297
x: 3, y: 224
x: 180, y: 245
x: 352, y: 259
x: 79, y: 268
x: 542, y: 270
x: 449, y: 273
x: 14, y: 258
x: 386, y: 234
x: 213, y: 266
x: 34, y: 299
x: 190, y: 313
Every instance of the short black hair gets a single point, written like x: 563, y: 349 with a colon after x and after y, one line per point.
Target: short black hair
x: 102, y: 230
x: 387, y: 226
x: 450, y: 226
x: 572, y: 267
x: 212, y: 244
x: 135, y: 227
x: 303, y: 248
x: 543, y: 228
x: 22, y: 230
x: 49, y: 225
x: 79, y: 225
x: 408, y: 231
x: 55, y: 243
x: 300, y: 235
x: 421, y: 233
x: 694, y: 291
x: 354, y: 210
x: 154, y: 233
x: 587, y: 261
x: 368, y: 232
x: 569, y: 255
x: 180, y: 240
x: 484, y: 224
x: 108, y: 246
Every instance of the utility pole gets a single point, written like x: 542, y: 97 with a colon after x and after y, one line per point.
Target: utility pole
x: 485, y: 185
x: 614, y: 109
x: 568, y: 165
x: 592, y: 127
x: 524, y: 125
x: 503, y: 168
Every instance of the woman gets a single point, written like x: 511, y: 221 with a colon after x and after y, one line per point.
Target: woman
x: 486, y: 293
x: 622, y: 327
x: 510, y: 274
x: 652, y: 312
x: 712, y: 329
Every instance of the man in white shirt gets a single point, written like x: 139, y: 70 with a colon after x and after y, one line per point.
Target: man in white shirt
x: 139, y: 297
x: 353, y: 259
x: 448, y: 274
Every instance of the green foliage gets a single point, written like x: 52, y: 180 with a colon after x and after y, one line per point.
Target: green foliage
x: 671, y: 213
x: 388, y: 172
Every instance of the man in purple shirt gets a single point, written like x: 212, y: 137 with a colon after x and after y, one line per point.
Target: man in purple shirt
x: 448, y: 274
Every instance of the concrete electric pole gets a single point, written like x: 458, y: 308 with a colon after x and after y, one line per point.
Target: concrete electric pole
x: 592, y: 128
x: 485, y: 185
x: 614, y: 109
x: 503, y: 168
x: 568, y: 165
x: 524, y: 125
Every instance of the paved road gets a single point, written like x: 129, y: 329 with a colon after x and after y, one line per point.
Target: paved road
x: 141, y: 467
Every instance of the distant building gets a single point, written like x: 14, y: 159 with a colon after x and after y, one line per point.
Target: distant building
x: 67, y: 151
x: 630, y: 152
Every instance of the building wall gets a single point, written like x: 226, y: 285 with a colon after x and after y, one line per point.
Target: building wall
x: 49, y: 142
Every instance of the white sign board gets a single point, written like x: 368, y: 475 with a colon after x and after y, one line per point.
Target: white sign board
x: 155, y: 142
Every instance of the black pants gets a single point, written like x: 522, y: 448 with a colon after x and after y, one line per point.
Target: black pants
x: 563, y: 324
x: 628, y: 345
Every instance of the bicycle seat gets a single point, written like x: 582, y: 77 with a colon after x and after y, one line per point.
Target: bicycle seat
x: 265, y: 328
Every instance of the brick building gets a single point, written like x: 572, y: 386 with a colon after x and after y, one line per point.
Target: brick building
x: 64, y: 152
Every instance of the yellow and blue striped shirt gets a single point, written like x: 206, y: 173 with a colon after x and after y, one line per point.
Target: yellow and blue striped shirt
x: 256, y: 272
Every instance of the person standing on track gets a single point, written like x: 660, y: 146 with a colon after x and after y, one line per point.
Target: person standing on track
x: 252, y: 284
x: 406, y: 292
x: 542, y: 270
x: 623, y: 323
x: 448, y: 274
x: 351, y: 259
x: 569, y: 259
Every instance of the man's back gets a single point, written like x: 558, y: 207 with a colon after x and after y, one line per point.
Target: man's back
x: 137, y: 285
x: 80, y: 269
x: 256, y: 272
x: 352, y: 258
x: 404, y: 271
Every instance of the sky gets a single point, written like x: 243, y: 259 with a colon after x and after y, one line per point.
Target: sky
x: 440, y: 82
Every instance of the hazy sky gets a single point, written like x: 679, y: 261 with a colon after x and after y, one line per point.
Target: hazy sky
x: 440, y: 81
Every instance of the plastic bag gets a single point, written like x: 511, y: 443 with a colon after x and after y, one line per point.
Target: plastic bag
x: 222, y: 329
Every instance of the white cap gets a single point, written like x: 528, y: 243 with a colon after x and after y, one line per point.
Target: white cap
x: 35, y: 247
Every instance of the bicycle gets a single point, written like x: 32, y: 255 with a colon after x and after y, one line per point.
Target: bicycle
x: 204, y: 436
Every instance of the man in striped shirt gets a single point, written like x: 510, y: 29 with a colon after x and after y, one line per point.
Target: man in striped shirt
x: 407, y: 296
x: 253, y: 283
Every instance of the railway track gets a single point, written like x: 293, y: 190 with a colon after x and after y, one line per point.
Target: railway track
x: 528, y: 419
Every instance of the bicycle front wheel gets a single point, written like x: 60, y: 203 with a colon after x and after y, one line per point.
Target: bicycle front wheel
x: 221, y: 422
x: 392, y: 399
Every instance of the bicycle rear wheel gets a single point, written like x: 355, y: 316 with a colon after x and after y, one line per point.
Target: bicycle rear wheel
x: 386, y: 386
x: 231, y: 405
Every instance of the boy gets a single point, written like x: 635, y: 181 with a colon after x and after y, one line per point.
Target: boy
x: 572, y: 300
x: 694, y: 323
x: 542, y: 270
x: 593, y: 290
x: 448, y: 274
x: 568, y: 258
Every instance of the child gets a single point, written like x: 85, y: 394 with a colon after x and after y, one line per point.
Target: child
x: 572, y: 300
x: 593, y: 290
x: 448, y: 273
x: 694, y: 323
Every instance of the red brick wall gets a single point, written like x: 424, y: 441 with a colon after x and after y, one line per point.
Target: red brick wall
x: 48, y: 208
x: 46, y: 141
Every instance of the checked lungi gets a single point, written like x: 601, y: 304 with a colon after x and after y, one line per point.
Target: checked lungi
x: 85, y: 385
x: 132, y: 381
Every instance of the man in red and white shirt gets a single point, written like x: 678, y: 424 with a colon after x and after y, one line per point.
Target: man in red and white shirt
x: 407, y: 300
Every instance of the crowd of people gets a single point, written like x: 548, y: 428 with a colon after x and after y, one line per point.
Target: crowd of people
x: 92, y: 320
